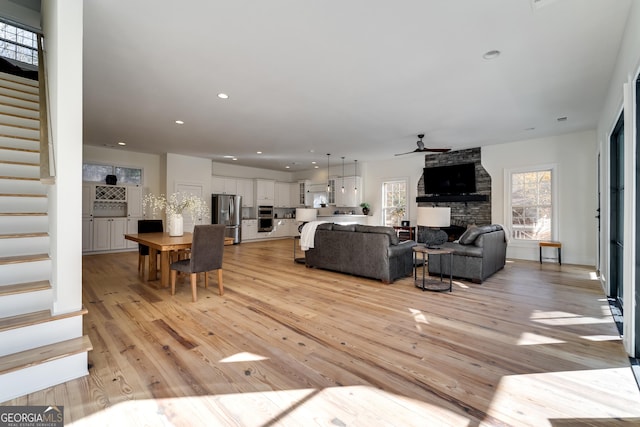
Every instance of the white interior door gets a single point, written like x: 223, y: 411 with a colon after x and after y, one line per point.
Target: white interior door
x: 196, y: 190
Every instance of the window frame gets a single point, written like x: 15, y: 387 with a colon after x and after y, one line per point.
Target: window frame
x: 18, y: 45
x: 383, y: 209
x: 113, y: 172
x: 555, y: 207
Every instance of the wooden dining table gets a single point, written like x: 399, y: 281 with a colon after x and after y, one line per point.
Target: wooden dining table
x: 163, y: 243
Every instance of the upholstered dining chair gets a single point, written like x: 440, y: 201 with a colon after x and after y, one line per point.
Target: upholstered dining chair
x: 147, y: 226
x: 207, y: 249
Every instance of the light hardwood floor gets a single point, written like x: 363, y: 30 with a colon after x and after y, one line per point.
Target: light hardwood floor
x: 286, y: 345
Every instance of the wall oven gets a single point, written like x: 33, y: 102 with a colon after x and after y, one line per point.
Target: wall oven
x: 265, y: 219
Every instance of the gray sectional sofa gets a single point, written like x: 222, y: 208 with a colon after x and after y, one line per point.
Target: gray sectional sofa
x: 479, y: 253
x: 361, y: 250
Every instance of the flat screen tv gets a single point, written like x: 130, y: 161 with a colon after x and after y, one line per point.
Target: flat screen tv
x: 450, y: 179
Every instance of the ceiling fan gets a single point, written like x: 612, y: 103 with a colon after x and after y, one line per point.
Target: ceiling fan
x: 422, y: 149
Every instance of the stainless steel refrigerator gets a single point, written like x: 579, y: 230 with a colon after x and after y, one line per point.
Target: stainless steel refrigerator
x: 227, y: 209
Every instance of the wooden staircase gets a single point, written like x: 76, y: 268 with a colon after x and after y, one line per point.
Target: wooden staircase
x: 38, y: 347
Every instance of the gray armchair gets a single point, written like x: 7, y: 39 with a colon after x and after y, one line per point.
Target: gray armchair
x: 207, y: 250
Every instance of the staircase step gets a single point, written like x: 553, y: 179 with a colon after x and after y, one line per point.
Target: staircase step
x: 21, y: 288
x: 22, y: 195
x: 26, y: 150
x: 30, y: 319
x: 47, y: 353
x: 23, y: 258
x: 12, y: 78
x: 2, y: 214
x: 4, y: 135
x: 19, y: 89
x: 22, y: 235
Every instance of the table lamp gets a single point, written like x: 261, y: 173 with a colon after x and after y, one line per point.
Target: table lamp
x: 304, y: 215
x: 432, y: 219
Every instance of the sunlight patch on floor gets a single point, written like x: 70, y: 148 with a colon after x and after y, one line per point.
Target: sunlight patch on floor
x: 601, y: 337
x: 340, y: 406
x: 243, y: 357
x: 418, y: 317
x: 559, y: 318
x: 528, y: 338
x: 577, y: 395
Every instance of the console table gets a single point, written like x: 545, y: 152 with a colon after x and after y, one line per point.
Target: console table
x: 427, y: 284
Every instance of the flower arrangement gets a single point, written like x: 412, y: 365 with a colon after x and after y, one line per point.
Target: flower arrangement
x: 176, y: 204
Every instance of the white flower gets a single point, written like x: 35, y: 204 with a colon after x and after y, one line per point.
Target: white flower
x: 177, y: 203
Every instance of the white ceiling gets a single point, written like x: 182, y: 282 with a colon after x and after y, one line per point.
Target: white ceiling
x: 354, y: 78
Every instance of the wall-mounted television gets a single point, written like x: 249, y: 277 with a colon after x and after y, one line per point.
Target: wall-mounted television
x: 450, y: 179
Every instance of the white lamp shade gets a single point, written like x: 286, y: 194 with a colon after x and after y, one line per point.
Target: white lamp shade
x: 306, y: 214
x: 434, y: 217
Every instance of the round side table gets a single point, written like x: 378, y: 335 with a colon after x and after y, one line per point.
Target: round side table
x: 427, y: 284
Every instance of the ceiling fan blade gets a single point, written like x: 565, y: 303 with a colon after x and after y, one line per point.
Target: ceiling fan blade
x: 402, y: 154
x: 438, y: 150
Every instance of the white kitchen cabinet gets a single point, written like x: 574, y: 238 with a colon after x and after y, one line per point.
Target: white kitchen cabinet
x: 224, y: 185
x: 282, y: 195
x: 134, y: 202
x: 88, y: 191
x: 132, y: 228
x: 108, y: 233
x: 87, y: 234
x: 304, y: 193
x: 265, y: 191
x: 249, y: 229
x: 245, y: 189
x: 350, y: 198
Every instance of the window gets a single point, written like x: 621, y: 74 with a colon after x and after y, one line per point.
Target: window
x: 97, y: 173
x: 531, y: 197
x: 394, y: 202
x: 18, y: 44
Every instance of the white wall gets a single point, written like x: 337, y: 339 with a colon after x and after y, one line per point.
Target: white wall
x: 375, y: 173
x: 62, y: 22
x: 17, y: 13
x: 575, y: 157
x: 236, y: 171
x: 150, y: 163
x: 189, y: 170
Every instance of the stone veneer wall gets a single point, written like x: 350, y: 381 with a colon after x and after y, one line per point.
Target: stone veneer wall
x: 462, y: 213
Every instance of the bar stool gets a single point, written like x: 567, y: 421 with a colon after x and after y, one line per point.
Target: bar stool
x: 557, y: 245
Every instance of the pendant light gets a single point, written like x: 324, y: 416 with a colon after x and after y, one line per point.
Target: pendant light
x: 342, y: 174
x: 355, y: 162
x: 328, y: 184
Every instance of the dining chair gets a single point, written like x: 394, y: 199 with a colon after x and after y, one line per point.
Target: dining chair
x: 207, y: 249
x: 146, y: 226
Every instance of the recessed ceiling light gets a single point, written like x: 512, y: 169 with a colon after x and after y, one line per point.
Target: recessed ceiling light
x: 235, y: 158
x: 492, y: 54
x: 122, y: 143
x: 562, y: 119
x: 223, y: 96
x: 229, y: 157
x: 258, y: 152
x: 316, y: 167
x: 313, y: 163
x: 179, y: 122
x: 287, y: 167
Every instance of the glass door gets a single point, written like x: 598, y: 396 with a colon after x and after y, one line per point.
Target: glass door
x: 616, y: 213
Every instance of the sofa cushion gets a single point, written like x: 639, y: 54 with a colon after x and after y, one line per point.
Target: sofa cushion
x: 325, y: 226
x: 379, y: 229
x: 470, y: 236
x: 348, y: 227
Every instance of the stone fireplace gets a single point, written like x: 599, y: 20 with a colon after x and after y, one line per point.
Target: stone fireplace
x: 466, y: 209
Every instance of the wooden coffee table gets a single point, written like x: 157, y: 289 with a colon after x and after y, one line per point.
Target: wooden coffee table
x: 428, y: 284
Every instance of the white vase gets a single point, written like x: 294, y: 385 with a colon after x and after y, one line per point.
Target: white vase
x: 176, y: 225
